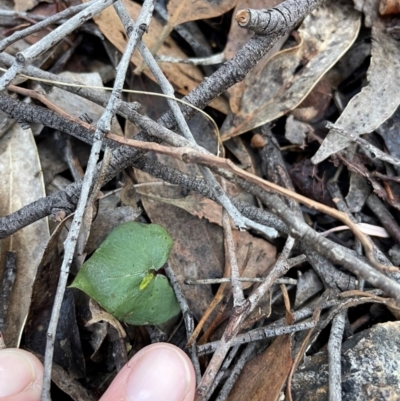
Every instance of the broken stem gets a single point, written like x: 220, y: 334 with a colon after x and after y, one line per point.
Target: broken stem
x: 334, y: 355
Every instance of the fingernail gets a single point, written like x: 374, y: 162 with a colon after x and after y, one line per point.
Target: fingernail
x: 16, y: 372
x: 161, y: 373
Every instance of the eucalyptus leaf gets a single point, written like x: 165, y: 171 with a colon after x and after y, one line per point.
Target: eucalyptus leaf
x: 121, y: 275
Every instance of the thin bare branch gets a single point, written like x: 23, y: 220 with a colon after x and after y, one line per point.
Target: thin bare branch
x: 208, y: 281
x: 103, y: 126
x: 26, y: 57
x: 365, y: 144
x: 257, y: 335
x: 230, y: 257
x: 69, y: 12
x: 188, y: 319
x: 334, y: 354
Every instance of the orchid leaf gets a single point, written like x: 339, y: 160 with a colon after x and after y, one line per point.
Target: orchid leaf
x: 122, y: 275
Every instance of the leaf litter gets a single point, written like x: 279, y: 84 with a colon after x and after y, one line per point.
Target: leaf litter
x: 198, y: 245
x: 376, y: 102
x: 291, y: 74
x: 19, y: 153
x: 184, y: 77
x: 334, y: 66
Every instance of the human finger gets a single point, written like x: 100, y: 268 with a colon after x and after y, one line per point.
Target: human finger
x: 159, y: 372
x: 21, y: 375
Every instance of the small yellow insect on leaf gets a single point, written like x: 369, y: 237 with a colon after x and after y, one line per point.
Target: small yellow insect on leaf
x: 146, y: 281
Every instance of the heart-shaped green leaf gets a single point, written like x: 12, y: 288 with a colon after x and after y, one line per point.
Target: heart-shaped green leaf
x: 121, y: 275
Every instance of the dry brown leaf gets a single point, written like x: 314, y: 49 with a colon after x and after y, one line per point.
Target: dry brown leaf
x: 77, y: 105
x: 198, y: 205
x: 359, y: 190
x: 25, y: 5
x: 246, y: 156
x: 67, y: 343
x: 313, y: 107
x: 69, y: 385
x: 311, y: 182
x: 261, y: 255
x: 99, y: 314
x: 47, y: 277
x: 296, y: 131
x: 194, y: 204
x: 180, y: 11
x: 184, y: 77
x: 289, y: 76
x: 21, y: 182
x: 376, y: 102
x: 263, y: 378
x: 50, y: 159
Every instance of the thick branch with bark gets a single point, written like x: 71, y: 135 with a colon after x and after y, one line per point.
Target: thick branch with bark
x: 281, y: 18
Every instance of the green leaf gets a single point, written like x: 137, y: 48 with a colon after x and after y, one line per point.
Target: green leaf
x: 121, y: 275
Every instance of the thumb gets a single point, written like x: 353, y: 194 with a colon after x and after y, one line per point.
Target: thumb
x: 159, y: 372
x: 21, y: 375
